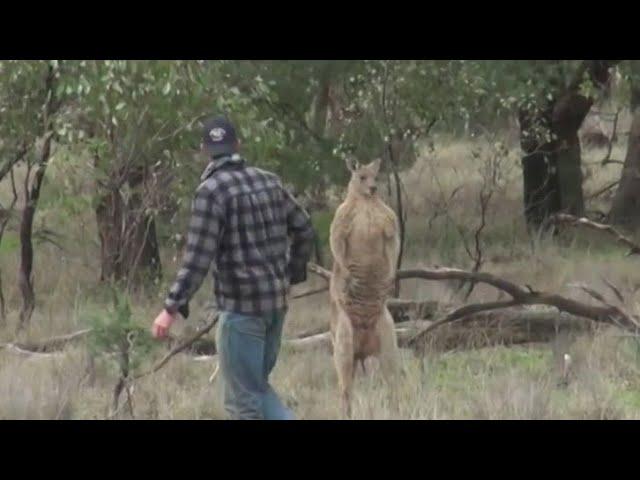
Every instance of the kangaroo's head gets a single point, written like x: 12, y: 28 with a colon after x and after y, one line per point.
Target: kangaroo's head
x: 363, y: 178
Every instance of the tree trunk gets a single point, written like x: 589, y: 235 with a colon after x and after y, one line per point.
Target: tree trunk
x: 128, y: 241
x: 625, y: 210
x: 25, y: 278
x: 551, y: 162
x: 110, y: 225
x: 32, y: 195
x: 140, y: 241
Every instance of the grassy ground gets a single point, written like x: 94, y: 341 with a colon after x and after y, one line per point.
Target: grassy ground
x: 495, y: 383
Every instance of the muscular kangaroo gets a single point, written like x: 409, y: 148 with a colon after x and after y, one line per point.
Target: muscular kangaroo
x: 364, y: 243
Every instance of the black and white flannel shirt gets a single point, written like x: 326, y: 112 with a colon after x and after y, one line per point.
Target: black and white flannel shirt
x: 251, y: 229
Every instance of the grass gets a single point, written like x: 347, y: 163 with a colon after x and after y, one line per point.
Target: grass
x: 491, y: 383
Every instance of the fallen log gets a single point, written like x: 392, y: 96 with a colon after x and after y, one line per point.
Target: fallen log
x: 510, y: 326
x: 513, y: 326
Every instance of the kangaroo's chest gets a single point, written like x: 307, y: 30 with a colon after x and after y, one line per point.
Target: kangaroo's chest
x: 368, y: 232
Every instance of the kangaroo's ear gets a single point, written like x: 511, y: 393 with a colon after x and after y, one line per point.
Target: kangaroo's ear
x: 375, y: 165
x: 352, y: 164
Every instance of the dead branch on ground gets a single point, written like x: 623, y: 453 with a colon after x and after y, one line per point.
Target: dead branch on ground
x: 606, y: 313
x: 564, y: 218
x: 48, y: 346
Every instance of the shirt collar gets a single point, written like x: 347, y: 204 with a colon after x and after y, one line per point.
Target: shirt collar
x: 217, y: 163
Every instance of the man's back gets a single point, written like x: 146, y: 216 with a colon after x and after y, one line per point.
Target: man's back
x: 242, y: 221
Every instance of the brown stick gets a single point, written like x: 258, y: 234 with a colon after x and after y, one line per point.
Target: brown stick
x: 179, y: 348
x: 563, y: 218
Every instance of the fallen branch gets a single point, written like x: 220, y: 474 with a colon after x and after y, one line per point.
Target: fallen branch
x: 563, y: 218
x: 50, y: 345
x: 522, y: 296
x: 608, y: 314
x: 10, y: 347
x: 399, y: 308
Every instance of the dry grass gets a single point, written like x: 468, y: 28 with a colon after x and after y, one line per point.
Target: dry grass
x: 496, y: 383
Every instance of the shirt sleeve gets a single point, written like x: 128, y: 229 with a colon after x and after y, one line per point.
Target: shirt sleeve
x: 302, y: 234
x: 205, y: 227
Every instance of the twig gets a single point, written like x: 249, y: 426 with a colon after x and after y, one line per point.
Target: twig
x: 604, y: 189
x: 607, y: 159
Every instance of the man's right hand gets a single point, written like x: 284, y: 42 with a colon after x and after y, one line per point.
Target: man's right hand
x: 162, y: 324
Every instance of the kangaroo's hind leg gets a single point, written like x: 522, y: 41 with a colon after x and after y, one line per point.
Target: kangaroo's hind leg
x: 389, y: 355
x: 343, y: 357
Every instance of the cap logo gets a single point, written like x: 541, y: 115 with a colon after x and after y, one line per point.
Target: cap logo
x: 217, y: 134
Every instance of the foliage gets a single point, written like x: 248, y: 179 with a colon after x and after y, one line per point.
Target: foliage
x: 116, y: 332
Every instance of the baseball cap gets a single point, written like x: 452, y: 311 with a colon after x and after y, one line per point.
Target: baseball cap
x: 219, y: 136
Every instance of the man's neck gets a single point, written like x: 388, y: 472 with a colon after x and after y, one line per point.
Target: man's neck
x: 221, y: 160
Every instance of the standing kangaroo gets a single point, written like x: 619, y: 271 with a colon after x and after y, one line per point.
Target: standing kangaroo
x: 365, y: 243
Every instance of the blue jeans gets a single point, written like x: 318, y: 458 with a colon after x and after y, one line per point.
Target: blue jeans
x: 248, y: 348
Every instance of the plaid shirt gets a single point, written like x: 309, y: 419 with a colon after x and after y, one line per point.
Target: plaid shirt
x: 242, y: 218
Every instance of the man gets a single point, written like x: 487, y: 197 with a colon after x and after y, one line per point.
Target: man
x: 260, y: 240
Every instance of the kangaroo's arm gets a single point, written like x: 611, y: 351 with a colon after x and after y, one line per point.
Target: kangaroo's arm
x: 392, y: 241
x: 339, y: 232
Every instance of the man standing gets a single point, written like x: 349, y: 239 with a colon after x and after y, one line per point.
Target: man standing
x: 259, y: 240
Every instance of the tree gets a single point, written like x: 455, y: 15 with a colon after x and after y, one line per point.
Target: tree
x: 135, y: 117
x: 549, y: 138
x: 552, y: 99
x: 625, y: 210
x: 30, y: 105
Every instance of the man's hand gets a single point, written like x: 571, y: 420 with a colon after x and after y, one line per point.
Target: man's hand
x: 162, y: 324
